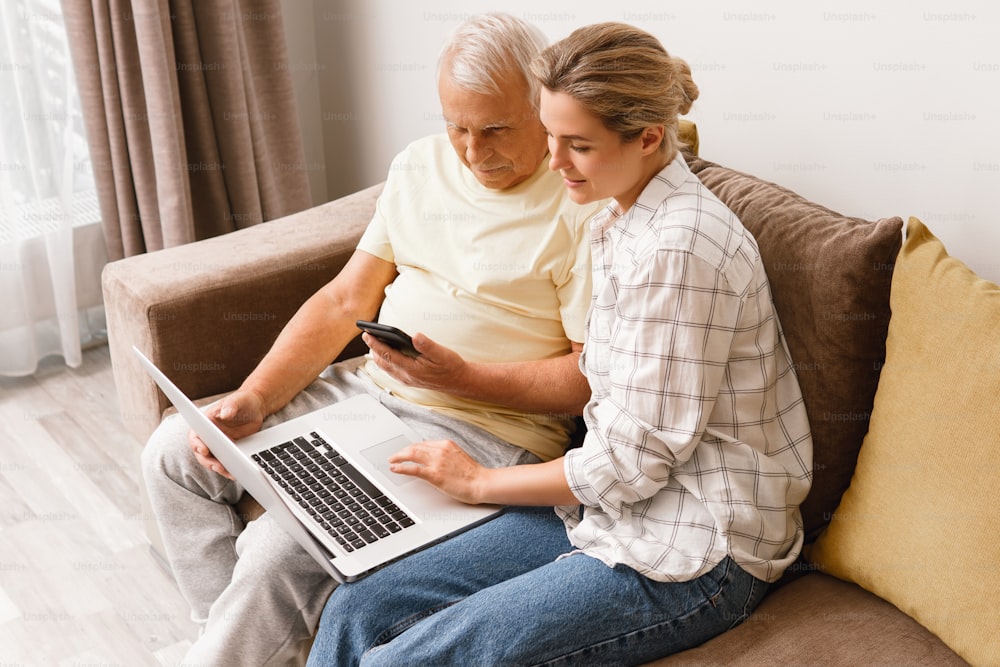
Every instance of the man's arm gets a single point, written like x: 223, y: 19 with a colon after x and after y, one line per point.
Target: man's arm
x: 548, y: 385
x: 311, y: 340
x: 320, y: 330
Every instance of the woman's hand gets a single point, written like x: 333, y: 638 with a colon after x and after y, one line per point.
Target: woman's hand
x: 445, y: 465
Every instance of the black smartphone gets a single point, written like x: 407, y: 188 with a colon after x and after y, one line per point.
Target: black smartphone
x: 391, y: 336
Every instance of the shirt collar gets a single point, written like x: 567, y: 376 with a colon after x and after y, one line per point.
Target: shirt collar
x: 662, y: 185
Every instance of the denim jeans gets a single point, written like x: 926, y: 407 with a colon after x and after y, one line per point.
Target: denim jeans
x: 497, y: 595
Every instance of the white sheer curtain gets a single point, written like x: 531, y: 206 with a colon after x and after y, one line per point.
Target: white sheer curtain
x: 51, y: 244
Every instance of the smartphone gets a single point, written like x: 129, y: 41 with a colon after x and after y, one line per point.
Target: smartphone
x: 391, y: 336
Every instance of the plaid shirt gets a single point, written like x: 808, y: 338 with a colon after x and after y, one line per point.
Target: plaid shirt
x: 698, y: 444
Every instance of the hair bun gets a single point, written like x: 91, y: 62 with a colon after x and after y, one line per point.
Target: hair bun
x: 684, y: 84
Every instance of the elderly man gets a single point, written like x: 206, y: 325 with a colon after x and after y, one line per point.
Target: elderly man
x: 476, y: 250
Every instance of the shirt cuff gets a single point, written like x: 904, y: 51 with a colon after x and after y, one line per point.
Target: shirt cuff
x: 573, y: 468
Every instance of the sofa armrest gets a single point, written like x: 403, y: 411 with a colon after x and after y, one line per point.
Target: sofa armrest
x: 207, y: 312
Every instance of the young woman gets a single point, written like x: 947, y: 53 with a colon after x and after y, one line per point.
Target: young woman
x: 682, y: 503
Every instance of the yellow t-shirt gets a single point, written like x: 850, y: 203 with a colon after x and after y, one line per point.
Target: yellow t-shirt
x: 494, y: 275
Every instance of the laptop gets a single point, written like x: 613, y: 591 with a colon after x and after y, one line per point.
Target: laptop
x: 324, y: 477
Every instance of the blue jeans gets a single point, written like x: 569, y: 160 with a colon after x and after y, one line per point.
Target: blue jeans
x: 496, y: 595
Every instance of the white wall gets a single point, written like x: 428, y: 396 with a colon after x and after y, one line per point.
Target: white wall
x: 870, y: 108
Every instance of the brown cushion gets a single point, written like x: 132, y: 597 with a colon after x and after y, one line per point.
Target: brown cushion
x: 830, y: 276
x: 819, y: 620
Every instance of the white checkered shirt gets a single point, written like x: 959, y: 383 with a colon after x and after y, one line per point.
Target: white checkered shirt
x: 698, y: 444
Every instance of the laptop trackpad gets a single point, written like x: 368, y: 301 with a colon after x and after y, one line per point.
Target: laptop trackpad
x: 378, y: 454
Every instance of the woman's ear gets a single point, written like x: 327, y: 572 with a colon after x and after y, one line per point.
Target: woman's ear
x: 651, y: 138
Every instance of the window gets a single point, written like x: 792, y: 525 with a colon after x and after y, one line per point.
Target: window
x: 51, y: 250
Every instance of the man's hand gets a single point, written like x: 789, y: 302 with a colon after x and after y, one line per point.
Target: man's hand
x: 437, y: 367
x: 238, y: 415
x: 443, y: 464
x: 545, y: 386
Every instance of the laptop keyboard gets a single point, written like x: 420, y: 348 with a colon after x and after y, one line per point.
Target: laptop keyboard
x: 336, y: 495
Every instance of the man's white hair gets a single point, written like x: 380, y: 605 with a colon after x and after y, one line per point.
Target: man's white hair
x: 486, y: 47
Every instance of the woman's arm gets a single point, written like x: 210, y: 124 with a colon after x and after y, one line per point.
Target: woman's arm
x: 658, y: 373
x: 445, y: 465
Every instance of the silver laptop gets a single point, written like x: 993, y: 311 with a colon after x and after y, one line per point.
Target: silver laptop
x: 324, y: 477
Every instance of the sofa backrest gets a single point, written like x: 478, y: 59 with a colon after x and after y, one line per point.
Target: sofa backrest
x: 830, y: 276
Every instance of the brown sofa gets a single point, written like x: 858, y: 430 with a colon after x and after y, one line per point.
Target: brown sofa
x: 207, y: 312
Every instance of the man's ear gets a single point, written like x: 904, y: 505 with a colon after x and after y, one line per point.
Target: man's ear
x: 651, y: 139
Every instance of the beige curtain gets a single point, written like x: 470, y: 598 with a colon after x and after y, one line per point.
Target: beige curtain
x: 190, y: 117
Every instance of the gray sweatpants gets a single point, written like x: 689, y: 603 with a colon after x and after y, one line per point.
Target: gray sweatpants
x: 256, y: 594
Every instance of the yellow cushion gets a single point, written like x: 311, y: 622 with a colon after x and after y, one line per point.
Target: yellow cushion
x: 687, y: 133
x: 920, y: 524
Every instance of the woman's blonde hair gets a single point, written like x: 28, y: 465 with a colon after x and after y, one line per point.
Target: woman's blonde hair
x: 623, y: 76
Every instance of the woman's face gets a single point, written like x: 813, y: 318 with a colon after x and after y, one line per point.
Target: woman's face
x: 594, y: 161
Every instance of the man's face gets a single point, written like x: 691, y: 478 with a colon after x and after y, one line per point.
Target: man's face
x: 498, y: 137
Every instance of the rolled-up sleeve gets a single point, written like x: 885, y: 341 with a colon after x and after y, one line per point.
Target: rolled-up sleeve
x: 657, y: 354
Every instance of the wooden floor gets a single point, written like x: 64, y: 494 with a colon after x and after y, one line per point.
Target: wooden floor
x: 78, y: 584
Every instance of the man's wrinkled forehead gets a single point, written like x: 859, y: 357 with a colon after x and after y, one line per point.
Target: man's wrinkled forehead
x: 470, y: 109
